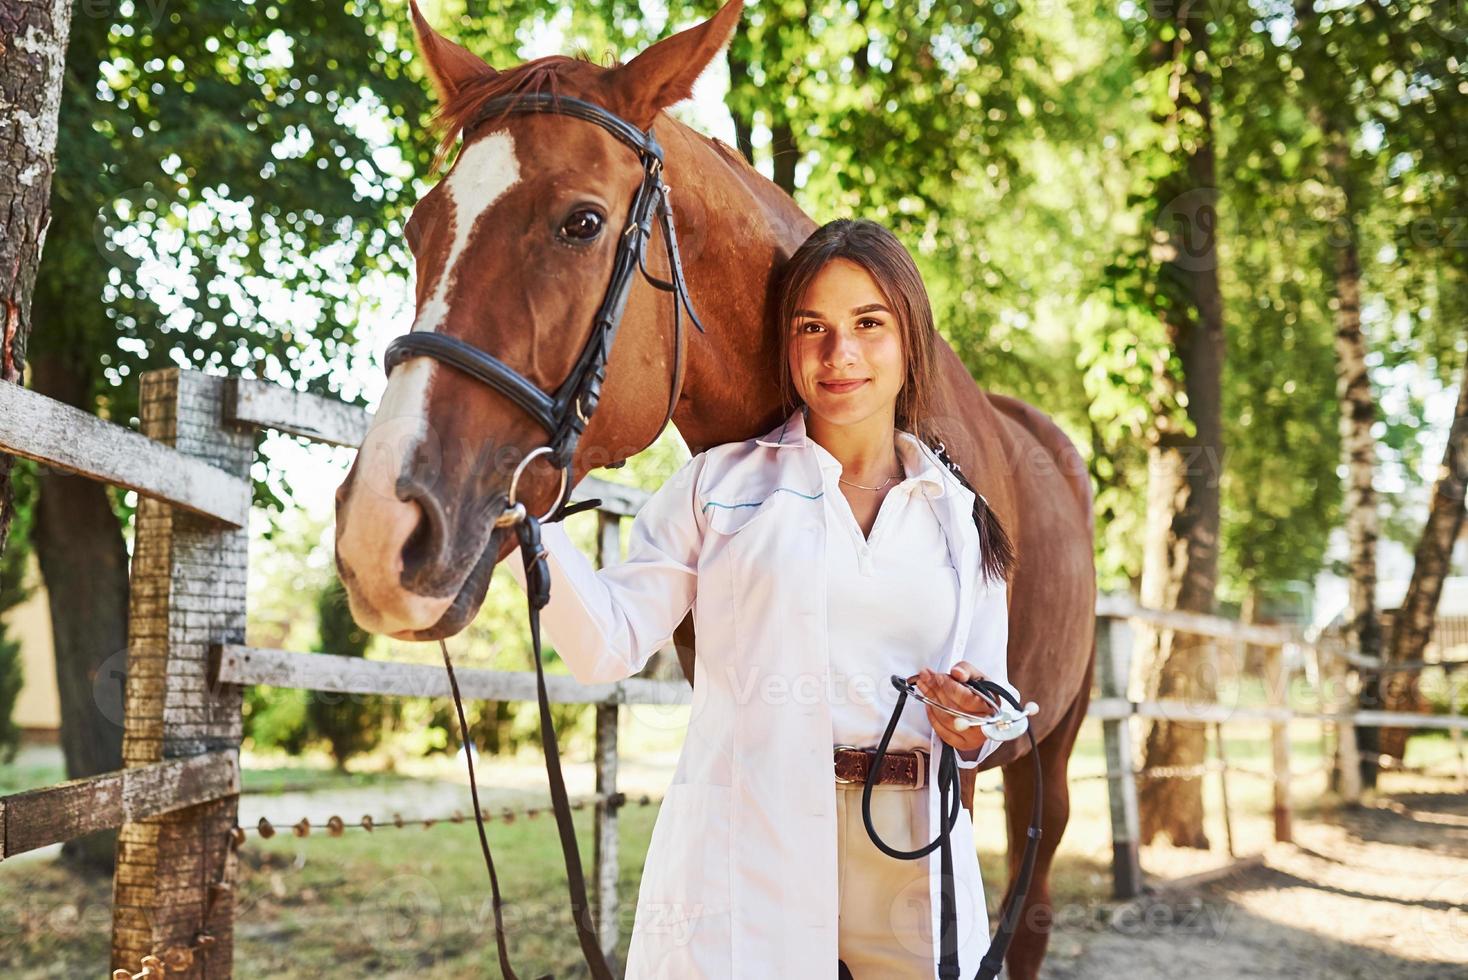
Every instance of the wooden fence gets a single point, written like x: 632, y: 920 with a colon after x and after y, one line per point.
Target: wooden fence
x: 1331, y: 665
x: 176, y: 800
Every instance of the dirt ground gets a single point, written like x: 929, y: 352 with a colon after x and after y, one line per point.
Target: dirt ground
x: 1375, y: 892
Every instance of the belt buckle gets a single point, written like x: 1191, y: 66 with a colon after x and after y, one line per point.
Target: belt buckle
x: 837, y: 748
x: 924, y: 761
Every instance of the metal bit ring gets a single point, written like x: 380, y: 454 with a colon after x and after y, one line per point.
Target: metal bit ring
x: 514, y: 511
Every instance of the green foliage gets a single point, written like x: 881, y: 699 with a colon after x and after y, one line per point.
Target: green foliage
x: 350, y: 723
x: 13, y: 592
x: 232, y: 179
x: 12, y: 677
x: 218, y: 196
x: 275, y: 718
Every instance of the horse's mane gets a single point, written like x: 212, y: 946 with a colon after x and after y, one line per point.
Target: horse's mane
x: 464, y: 108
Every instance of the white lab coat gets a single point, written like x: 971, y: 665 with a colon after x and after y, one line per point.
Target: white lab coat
x: 740, y: 881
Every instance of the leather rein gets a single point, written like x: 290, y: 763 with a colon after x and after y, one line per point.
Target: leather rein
x: 1004, y: 726
x: 563, y: 414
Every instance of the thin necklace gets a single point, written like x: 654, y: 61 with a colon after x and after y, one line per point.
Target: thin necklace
x: 883, y: 483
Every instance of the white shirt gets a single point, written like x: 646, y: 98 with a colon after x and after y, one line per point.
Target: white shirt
x: 892, y: 601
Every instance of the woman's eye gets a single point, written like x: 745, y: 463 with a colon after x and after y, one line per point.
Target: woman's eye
x: 583, y: 225
x: 875, y: 323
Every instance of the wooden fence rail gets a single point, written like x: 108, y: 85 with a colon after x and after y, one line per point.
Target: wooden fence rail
x: 67, y: 438
x: 55, y: 814
x: 353, y: 675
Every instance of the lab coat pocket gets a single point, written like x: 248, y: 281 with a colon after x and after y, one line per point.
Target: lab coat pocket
x: 686, y: 874
x: 732, y: 518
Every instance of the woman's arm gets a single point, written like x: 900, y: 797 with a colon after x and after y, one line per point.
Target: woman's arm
x: 606, y: 623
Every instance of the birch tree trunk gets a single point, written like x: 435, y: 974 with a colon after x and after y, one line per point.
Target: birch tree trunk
x: 1412, y: 624
x: 32, y: 57
x: 1180, y: 557
x: 1358, y: 414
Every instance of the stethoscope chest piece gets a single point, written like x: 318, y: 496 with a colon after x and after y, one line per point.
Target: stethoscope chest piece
x: 1005, y: 724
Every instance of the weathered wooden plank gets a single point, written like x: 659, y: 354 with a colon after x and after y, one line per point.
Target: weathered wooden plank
x: 615, y: 498
x: 266, y: 405
x: 1106, y: 709
x: 353, y: 675
x: 54, y: 814
x: 1124, y: 607
x: 67, y: 438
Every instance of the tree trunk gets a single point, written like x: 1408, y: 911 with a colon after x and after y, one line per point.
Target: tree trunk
x: 33, y: 40
x: 1353, y: 390
x: 785, y: 154
x: 743, y: 124
x: 1180, y: 560
x: 1358, y: 413
x: 1412, y: 623
x: 79, y: 545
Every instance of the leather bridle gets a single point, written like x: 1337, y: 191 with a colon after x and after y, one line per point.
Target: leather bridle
x: 563, y: 415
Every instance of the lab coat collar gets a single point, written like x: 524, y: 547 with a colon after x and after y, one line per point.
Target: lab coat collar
x: 917, y: 458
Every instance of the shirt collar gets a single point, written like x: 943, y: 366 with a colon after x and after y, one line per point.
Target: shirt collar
x: 918, y: 460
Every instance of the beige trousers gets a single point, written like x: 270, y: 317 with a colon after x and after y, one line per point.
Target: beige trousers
x: 886, y: 928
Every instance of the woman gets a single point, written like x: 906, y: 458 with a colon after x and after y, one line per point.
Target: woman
x: 819, y: 559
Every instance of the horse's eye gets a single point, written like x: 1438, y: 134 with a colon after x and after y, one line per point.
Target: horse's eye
x: 583, y: 225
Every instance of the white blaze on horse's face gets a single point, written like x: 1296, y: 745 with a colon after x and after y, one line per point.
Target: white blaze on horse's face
x: 372, y: 523
x: 485, y: 170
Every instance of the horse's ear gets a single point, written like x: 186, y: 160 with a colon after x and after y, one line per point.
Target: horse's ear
x: 664, y: 74
x: 450, y: 66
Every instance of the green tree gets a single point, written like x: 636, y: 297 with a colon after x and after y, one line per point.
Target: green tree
x: 215, y: 201
x: 14, y: 591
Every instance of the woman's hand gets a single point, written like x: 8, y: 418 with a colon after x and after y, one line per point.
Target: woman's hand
x: 950, y: 690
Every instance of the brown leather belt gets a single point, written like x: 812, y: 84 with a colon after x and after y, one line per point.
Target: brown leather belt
x: 908, y: 769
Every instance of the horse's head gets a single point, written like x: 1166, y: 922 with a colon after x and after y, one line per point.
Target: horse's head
x: 514, y: 249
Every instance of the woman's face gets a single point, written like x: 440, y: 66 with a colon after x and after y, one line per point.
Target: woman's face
x: 843, y: 330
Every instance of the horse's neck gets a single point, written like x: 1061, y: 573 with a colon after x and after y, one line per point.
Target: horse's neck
x: 736, y: 229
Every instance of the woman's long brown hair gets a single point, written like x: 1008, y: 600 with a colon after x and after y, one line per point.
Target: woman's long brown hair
x: 873, y: 247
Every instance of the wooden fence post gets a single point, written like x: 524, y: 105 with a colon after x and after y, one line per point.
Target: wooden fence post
x: 1347, y: 757
x: 1113, y: 653
x: 173, y: 890
x: 1277, y: 690
x: 604, y: 846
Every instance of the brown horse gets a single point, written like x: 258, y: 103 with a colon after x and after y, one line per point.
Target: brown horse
x: 416, y: 540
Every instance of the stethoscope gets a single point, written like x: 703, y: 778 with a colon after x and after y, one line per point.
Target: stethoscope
x: 1004, y: 724
x: 1008, y: 722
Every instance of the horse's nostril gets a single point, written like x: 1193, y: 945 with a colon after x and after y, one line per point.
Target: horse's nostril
x: 423, y: 546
